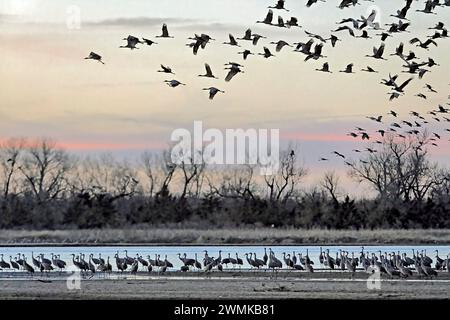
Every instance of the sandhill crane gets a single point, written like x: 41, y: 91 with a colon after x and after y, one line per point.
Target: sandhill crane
x: 20, y: 261
x: 218, y: 260
x: 317, y: 53
x: 268, y: 19
x: 345, y: 28
x: 188, y: 261
x: 247, y: 36
x: 232, y: 41
x: 232, y: 260
x: 209, y: 73
x: 131, y: 42
x: 425, y: 44
x: 402, y: 86
x: 226, y: 261
x: 316, y: 36
x: 207, y: 259
x: 195, y: 46
x: 91, y: 266
x: 94, y: 56
x: 168, y: 263
x: 401, y: 14
x: 325, y: 68
x: 292, y: 22
x: 447, y: 263
x: 429, y: 7
x: 428, y: 270
x: 439, y: 261
x: 294, y: 257
x: 280, y: 45
x: 165, y: 69
x: 364, y: 35
x: 4, y: 264
x: 149, y: 42
x: 197, y: 264
x: 45, y: 260
x: 369, y: 69
x: 384, y: 35
x: 311, y: 2
x: 349, y: 264
x: 134, y: 267
x: 377, y: 52
x: 267, y: 53
x: 165, y: 32
x: 174, y: 83
x: 14, y: 264
x: 308, y: 265
x: 246, y: 53
x: 35, y: 262
x: 94, y: 260
x: 256, y: 38
x: 280, y: 22
x: 430, y: 88
x: 333, y: 40
x: 279, y: 5
x: 273, y: 262
x: 27, y: 267
x: 289, y: 263
x: 77, y: 263
x: 121, y: 263
x: 250, y: 261
x: 143, y: 262
x: 265, y: 257
x: 304, y: 48
x: 151, y: 262
x: 129, y: 260
x: 239, y: 261
x: 184, y: 268
x: 58, y: 263
x: 348, y: 69
x: 234, y: 70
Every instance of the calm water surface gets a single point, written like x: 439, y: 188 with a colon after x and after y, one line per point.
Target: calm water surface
x: 172, y: 251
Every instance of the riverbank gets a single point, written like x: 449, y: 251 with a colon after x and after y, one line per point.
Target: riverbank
x: 229, y: 286
x: 244, y: 236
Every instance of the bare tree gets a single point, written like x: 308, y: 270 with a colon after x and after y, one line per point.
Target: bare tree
x: 168, y: 168
x: 330, y: 183
x: 399, y: 170
x: 10, y: 157
x: 237, y: 182
x: 106, y: 176
x: 45, y: 168
x: 282, y: 184
x: 151, y: 164
x: 191, y: 171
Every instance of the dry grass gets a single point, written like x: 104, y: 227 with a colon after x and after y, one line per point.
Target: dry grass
x: 224, y: 236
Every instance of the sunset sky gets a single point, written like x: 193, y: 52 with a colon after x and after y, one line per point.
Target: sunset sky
x: 48, y: 89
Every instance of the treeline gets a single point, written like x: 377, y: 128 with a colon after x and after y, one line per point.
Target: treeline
x: 45, y: 187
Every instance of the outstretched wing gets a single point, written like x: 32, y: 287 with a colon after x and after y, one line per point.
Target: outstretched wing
x: 231, y: 74
x: 269, y: 17
x: 165, y: 31
x: 208, y: 70
x: 404, y: 84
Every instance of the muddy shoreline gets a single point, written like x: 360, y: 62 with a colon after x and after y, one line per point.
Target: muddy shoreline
x: 218, y: 237
x: 228, y: 285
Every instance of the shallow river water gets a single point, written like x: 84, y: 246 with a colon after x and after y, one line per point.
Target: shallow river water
x: 172, y: 252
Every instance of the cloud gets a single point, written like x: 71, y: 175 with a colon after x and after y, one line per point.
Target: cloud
x: 6, y: 18
x: 138, y: 21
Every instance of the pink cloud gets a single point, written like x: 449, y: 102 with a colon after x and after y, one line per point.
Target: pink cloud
x: 315, y: 137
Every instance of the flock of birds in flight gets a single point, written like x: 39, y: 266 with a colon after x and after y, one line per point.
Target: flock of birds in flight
x: 313, y: 50
x: 392, y: 264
